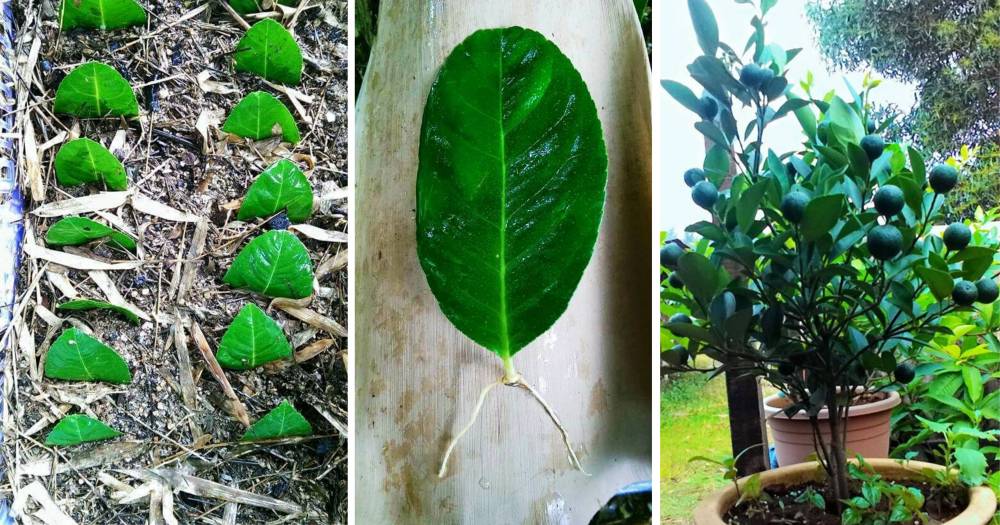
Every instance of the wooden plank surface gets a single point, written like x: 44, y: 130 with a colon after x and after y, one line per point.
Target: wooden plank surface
x: 417, y: 377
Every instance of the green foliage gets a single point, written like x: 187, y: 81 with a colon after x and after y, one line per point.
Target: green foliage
x: 259, y: 116
x: 83, y: 305
x: 510, y: 186
x: 74, y: 231
x: 282, y: 422
x: 269, y: 50
x: 275, y: 264
x: 252, y: 339
x: 101, y: 14
x: 77, y: 356
x: 245, y: 7
x: 95, y: 90
x: 83, y: 160
x: 78, y: 428
x: 881, y: 501
x: 281, y: 186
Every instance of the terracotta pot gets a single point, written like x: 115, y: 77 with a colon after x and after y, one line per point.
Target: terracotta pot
x: 867, y: 429
x: 982, y: 501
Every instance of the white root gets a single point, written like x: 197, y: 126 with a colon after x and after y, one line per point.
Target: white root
x: 515, y: 380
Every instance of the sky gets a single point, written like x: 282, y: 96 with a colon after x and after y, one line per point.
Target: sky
x: 678, y: 146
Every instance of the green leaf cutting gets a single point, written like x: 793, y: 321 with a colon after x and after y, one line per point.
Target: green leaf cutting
x: 76, y: 356
x: 282, y: 422
x: 78, y: 428
x: 269, y: 50
x: 95, y: 90
x: 83, y: 305
x: 74, y: 231
x: 251, y: 340
x: 101, y: 14
x: 510, y: 187
x: 259, y: 116
x: 83, y: 160
x: 275, y: 264
x: 281, y: 186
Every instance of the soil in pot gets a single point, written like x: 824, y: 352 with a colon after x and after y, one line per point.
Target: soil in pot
x: 782, y: 506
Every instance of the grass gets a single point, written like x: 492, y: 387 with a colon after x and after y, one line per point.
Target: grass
x: 694, y: 422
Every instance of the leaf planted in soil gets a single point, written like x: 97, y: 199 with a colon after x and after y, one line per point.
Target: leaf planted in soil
x: 269, y: 50
x: 282, y: 422
x: 275, y: 264
x: 78, y: 428
x: 76, y: 356
x: 74, y: 231
x: 245, y: 7
x: 251, y: 340
x: 83, y: 160
x: 510, y: 186
x: 95, y: 90
x: 259, y: 116
x: 281, y: 186
x: 101, y: 14
x: 84, y: 305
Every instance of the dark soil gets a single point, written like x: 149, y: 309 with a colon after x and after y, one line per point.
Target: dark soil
x: 169, y: 161
x: 779, y: 507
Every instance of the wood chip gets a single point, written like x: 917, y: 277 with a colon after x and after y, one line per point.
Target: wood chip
x: 210, y: 489
x: 239, y: 410
x: 311, y: 317
x: 192, y: 263
x: 77, y: 205
x: 32, y: 166
x: 107, y: 454
x: 49, y: 512
x: 319, y: 234
x: 188, y: 391
x: 334, y: 264
x: 61, y: 283
x: 157, y: 209
x: 300, y: 356
x: 77, y: 262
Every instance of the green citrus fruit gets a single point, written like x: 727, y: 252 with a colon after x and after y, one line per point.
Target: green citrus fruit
x: 753, y: 76
x: 679, y: 318
x: 904, y: 373
x: 793, y: 206
x: 987, y: 291
x: 675, y: 281
x: 670, y: 253
x: 676, y: 356
x: 708, y: 107
x: 873, y: 146
x: 943, y: 178
x: 957, y: 236
x: 965, y: 293
x: 694, y: 176
x: 889, y: 200
x: 885, y: 242
x: 705, y: 194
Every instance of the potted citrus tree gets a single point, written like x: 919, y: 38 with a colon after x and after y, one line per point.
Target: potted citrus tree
x: 816, y: 258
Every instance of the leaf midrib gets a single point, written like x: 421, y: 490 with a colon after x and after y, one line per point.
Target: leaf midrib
x: 502, y: 157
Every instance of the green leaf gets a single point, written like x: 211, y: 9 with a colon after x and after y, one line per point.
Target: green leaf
x: 251, y: 340
x: 78, y: 428
x: 245, y: 7
x: 971, y: 466
x: 940, y: 283
x: 821, y: 215
x: 749, y: 203
x: 805, y: 116
x: 275, y: 264
x: 82, y: 305
x: 973, y: 383
x: 74, y: 231
x: 700, y: 276
x: 83, y: 160
x: 101, y: 14
x: 281, y: 186
x: 510, y: 186
x: 95, y: 90
x: 711, y: 131
x: 76, y: 356
x: 282, y: 422
x: 705, y: 26
x: 269, y: 50
x: 846, y: 120
x: 682, y: 94
x: 259, y: 116
x: 766, y: 5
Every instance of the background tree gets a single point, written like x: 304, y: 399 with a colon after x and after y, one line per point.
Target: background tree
x: 950, y: 49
